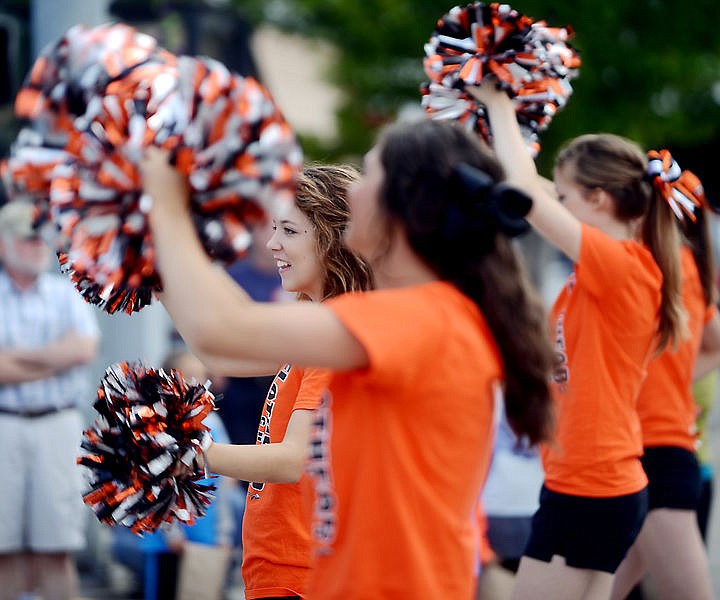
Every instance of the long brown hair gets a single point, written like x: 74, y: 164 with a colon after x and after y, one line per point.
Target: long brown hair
x: 322, y: 197
x: 697, y: 235
x: 420, y: 161
x: 618, y: 166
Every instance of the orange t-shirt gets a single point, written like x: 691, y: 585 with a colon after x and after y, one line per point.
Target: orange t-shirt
x: 402, y: 448
x: 665, y: 405
x: 603, y: 326
x: 276, y: 525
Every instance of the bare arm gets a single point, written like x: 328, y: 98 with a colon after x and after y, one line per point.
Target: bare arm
x: 550, y: 218
x: 20, y: 365
x: 70, y: 351
x: 221, y: 366
x: 214, y: 318
x: 281, y: 462
x: 708, y: 358
x: 14, y: 371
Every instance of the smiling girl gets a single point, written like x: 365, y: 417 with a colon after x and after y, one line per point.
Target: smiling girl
x: 311, y: 261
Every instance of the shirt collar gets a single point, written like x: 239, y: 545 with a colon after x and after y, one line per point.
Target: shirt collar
x: 7, y: 284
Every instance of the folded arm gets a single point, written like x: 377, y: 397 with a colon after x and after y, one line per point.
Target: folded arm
x: 14, y: 371
x: 69, y: 351
x: 20, y: 365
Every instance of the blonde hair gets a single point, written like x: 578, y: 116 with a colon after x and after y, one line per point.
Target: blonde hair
x: 619, y: 166
x: 322, y: 197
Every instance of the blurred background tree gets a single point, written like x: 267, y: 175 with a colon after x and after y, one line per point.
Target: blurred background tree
x: 651, y: 68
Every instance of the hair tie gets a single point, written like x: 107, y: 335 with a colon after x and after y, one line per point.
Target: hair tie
x: 493, y: 207
x: 682, y: 190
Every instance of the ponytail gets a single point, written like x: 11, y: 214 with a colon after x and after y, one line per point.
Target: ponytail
x: 661, y: 235
x: 683, y: 192
x: 697, y: 234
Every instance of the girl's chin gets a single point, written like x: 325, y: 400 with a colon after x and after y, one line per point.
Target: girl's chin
x: 288, y: 287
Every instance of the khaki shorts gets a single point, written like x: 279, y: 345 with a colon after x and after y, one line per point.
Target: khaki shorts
x: 41, y: 508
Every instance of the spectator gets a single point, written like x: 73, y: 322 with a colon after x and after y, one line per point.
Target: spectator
x: 47, y: 335
x: 511, y: 494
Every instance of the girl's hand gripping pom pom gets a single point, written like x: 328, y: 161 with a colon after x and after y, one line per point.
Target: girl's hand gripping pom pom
x: 530, y: 61
x: 97, y: 100
x: 144, y: 452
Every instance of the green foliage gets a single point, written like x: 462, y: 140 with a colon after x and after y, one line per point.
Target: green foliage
x: 651, y: 68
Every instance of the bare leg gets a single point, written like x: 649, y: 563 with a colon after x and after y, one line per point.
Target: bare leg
x: 599, y: 586
x: 673, y: 551
x: 495, y: 583
x: 14, y: 574
x: 56, y: 576
x: 630, y: 572
x: 538, y: 580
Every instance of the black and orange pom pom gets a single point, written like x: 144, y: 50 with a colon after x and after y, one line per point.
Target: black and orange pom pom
x: 530, y: 60
x: 141, y: 454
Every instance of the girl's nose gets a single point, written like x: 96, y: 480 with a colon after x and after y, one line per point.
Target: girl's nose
x: 273, y: 243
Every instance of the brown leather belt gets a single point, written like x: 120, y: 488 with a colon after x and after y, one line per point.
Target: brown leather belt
x: 33, y: 414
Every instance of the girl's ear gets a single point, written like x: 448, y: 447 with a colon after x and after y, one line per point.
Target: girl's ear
x: 601, y: 200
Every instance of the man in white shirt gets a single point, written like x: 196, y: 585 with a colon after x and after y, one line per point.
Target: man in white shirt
x: 48, y: 334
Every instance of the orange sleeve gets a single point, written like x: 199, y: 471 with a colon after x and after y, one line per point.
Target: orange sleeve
x: 314, y: 383
x: 603, y: 261
x: 384, y: 332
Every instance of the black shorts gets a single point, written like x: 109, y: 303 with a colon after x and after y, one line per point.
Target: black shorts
x: 590, y: 533
x: 508, y: 536
x: 674, y: 476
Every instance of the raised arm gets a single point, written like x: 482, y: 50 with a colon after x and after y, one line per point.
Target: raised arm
x: 548, y: 216
x: 218, y: 320
x: 228, y: 367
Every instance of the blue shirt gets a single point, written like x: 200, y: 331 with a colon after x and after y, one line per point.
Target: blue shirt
x: 35, y: 317
x: 516, y: 475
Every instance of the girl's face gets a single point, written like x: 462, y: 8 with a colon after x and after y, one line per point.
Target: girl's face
x: 293, y: 247
x: 575, y: 198
x: 365, y: 231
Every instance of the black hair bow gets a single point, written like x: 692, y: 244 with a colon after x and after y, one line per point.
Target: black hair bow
x: 489, y: 206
